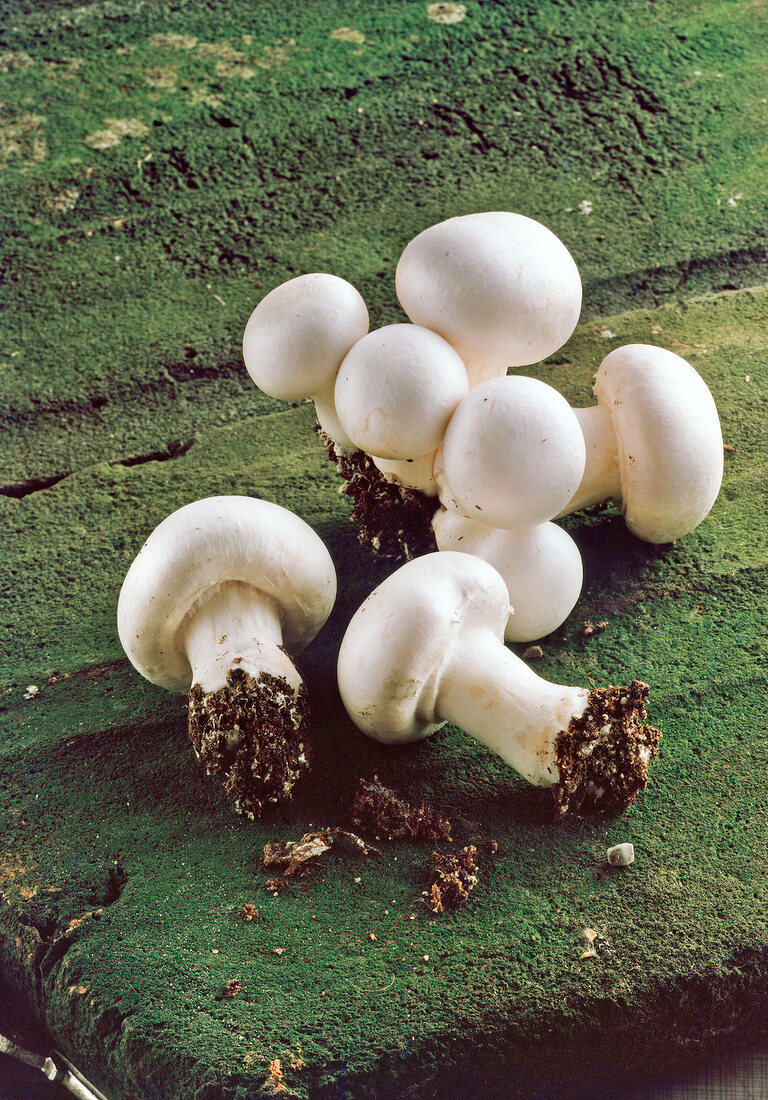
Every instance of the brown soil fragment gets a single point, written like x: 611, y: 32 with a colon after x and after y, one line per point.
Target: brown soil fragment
x: 249, y: 911
x: 252, y: 734
x: 275, y: 885
x: 453, y: 876
x: 379, y: 810
x: 294, y: 856
x: 603, y: 756
x: 588, y: 628
x: 231, y: 988
x: 394, y: 521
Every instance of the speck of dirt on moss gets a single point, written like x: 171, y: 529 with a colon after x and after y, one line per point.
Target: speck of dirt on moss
x: 173, y: 41
x: 15, y: 62
x: 160, y: 77
x: 348, y: 34
x: 446, y: 13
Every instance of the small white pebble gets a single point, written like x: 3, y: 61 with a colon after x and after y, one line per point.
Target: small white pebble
x: 31, y: 691
x: 585, y: 206
x: 358, y: 879
x: 621, y: 855
x: 426, y: 958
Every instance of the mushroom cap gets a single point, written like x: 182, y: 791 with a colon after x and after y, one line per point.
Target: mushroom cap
x: 541, y: 567
x: 299, y: 333
x: 500, y: 287
x: 400, y: 639
x: 396, y: 391
x: 669, y: 436
x: 513, y: 454
x: 200, y: 547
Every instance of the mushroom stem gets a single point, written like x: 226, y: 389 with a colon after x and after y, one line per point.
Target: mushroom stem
x: 590, y: 745
x: 411, y: 473
x: 602, y: 478
x: 328, y: 419
x: 247, y: 706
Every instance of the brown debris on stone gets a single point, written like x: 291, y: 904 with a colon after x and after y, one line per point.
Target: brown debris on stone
x: 603, y: 756
x: 252, y: 734
x: 379, y: 810
x: 294, y: 856
x: 453, y: 876
x: 394, y: 521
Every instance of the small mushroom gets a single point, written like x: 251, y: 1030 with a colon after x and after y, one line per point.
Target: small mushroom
x: 220, y: 593
x: 513, y: 453
x: 541, y: 567
x: 296, y: 338
x: 501, y: 288
x: 427, y: 646
x: 395, y: 393
x: 653, y: 443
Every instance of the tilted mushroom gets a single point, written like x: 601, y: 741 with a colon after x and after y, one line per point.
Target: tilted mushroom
x: 541, y: 567
x: 219, y: 595
x: 296, y: 338
x: 395, y: 393
x: 511, y: 453
x: 427, y: 646
x: 501, y: 288
x: 653, y: 442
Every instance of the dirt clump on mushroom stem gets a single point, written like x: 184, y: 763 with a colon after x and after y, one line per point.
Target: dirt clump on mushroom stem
x: 252, y: 734
x: 603, y: 755
x: 392, y: 519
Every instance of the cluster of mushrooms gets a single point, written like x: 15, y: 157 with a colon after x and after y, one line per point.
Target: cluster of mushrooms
x: 457, y: 466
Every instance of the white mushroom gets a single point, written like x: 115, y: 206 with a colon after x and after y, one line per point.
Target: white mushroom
x: 395, y: 393
x: 653, y: 442
x: 501, y: 288
x: 296, y: 338
x: 219, y: 595
x: 541, y: 567
x: 427, y: 647
x: 513, y: 453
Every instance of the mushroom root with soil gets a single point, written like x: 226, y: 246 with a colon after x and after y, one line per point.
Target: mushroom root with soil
x: 653, y: 443
x: 427, y: 647
x: 223, y: 590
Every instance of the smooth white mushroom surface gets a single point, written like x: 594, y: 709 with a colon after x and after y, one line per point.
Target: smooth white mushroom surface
x: 541, y: 567
x: 501, y: 288
x: 396, y: 391
x: 296, y: 338
x: 653, y: 441
x: 216, y: 599
x: 427, y: 646
x: 513, y: 454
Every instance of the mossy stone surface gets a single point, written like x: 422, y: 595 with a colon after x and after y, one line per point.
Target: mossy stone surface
x: 250, y: 146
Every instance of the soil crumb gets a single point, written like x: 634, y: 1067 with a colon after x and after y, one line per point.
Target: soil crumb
x: 603, y: 756
x: 252, y: 734
x: 453, y: 876
x: 294, y: 857
x: 379, y: 810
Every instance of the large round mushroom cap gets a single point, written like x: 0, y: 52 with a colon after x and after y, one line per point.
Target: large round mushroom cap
x: 400, y: 640
x: 396, y: 391
x: 199, y: 548
x: 500, y: 287
x: 541, y: 567
x: 299, y: 333
x: 513, y: 453
x: 670, y: 441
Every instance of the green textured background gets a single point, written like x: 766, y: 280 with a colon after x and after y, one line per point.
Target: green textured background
x: 163, y: 166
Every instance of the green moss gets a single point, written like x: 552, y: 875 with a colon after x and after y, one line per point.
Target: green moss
x: 133, y: 265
